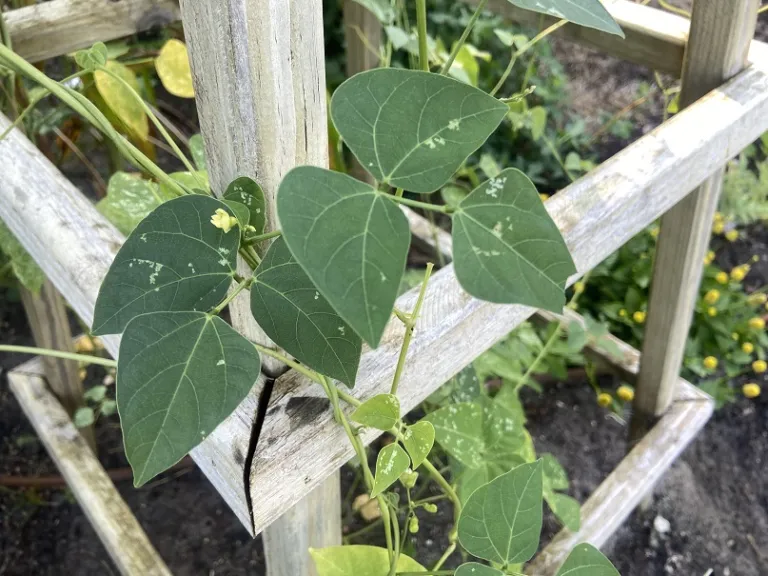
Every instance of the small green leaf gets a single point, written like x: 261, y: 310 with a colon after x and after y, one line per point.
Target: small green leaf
x: 359, y: 561
x: 418, y: 440
x: 453, y: 195
x: 245, y: 191
x: 412, y: 129
x: 391, y: 462
x: 507, y: 249
x: 180, y: 374
x: 475, y: 569
x: 240, y: 211
x: 555, y: 476
x: 197, y: 150
x: 538, y: 116
x: 95, y: 394
x: 121, y: 100
x: 381, y: 9
x: 108, y: 407
x: 23, y: 265
x: 350, y: 239
x: 397, y: 36
x: 381, y: 412
x: 586, y: 560
x: 84, y: 417
x: 295, y: 315
x: 93, y: 57
x: 501, y: 521
x: 129, y: 200
x: 174, y: 260
x: 567, y: 509
x: 590, y: 13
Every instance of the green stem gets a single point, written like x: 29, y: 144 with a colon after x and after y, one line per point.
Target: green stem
x: 262, y: 237
x: 410, y: 323
x: 399, y: 193
x: 232, y: 295
x: 421, y: 24
x: 109, y: 363
x: 396, y: 555
x: 446, y: 487
x: 428, y: 573
x: 422, y: 205
x: 445, y: 556
x: 311, y: 374
x: 464, y: 35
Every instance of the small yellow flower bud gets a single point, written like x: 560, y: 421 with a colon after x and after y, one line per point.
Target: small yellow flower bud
x: 759, y: 366
x: 625, y: 393
x: 719, y: 217
x: 222, y: 220
x: 709, y: 258
x: 735, y: 336
x: 732, y: 235
x: 722, y: 278
x: 413, y: 525
x: 544, y: 197
x: 409, y: 478
x: 654, y: 232
x: 740, y: 272
x: 710, y: 362
x: 712, y: 311
x: 578, y: 287
x: 757, y: 299
x: 747, y: 347
x: 604, y: 399
x: 718, y: 227
x: 429, y: 507
x: 639, y: 317
x: 712, y: 296
x: 622, y: 313
x: 756, y: 323
x: 751, y: 390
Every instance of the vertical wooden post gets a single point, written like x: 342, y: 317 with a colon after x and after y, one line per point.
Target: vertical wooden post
x: 259, y: 74
x: 721, y: 31
x: 47, y: 316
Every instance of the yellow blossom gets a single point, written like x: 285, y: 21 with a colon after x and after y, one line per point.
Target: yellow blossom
x: 757, y: 299
x: 604, y: 399
x: 740, y: 272
x: 732, y: 235
x: 719, y: 217
x: 625, y: 393
x: 712, y: 296
x: 759, y: 366
x: 722, y: 278
x: 639, y: 317
x: 747, y: 347
x: 221, y: 219
x: 578, y: 287
x: 756, y: 323
x: 544, y: 197
x: 712, y: 311
x: 622, y: 313
x: 718, y: 227
x: 654, y: 232
x: 710, y: 362
x: 751, y: 390
x: 709, y: 258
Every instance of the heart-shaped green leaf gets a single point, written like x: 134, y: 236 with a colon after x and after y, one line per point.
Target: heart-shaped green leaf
x: 418, y: 440
x: 350, y: 239
x: 381, y: 412
x: 297, y: 317
x: 129, y: 200
x: 412, y: 129
x: 174, y: 260
x: 590, y: 13
x: 501, y: 521
x: 91, y: 58
x: 247, y: 192
x: 475, y: 569
x: 507, y: 249
x: 567, y: 509
x: 391, y: 462
x: 586, y: 560
x: 359, y: 561
x: 179, y: 375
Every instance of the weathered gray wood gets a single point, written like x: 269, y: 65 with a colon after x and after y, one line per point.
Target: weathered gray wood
x: 721, y: 31
x: 107, y: 512
x: 47, y: 316
x: 59, y: 27
x: 301, y: 445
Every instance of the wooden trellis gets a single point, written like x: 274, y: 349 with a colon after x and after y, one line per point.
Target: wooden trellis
x: 259, y: 75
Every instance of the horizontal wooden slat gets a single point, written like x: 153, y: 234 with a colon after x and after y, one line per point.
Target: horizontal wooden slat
x: 107, y: 512
x: 59, y: 27
x: 301, y: 445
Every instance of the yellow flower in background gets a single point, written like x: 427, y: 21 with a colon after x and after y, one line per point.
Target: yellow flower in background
x: 604, y: 399
x: 735, y: 336
x: 622, y: 313
x: 757, y: 299
x: 718, y: 227
x: 719, y: 217
x: 710, y: 362
x: 740, y: 272
x: 756, y: 323
x: 747, y: 347
x: 625, y: 393
x: 544, y: 197
x: 639, y: 317
x: 732, y: 235
x: 751, y: 390
x: 721, y: 277
x: 221, y: 219
x: 712, y: 311
x: 709, y: 258
x: 759, y: 366
x: 712, y: 296
x: 579, y: 287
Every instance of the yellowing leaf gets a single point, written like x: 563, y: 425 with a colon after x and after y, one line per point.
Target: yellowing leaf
x: 120, y: 100
x: 173, y: 68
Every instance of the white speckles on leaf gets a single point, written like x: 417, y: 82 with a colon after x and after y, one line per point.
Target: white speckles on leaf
x: 454, y: 124
x: 220, y: 362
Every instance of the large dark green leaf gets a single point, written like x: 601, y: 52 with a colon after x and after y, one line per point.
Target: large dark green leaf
x: 501, y: 521
x: 475, y: 569
x: 586, y: 560
x: 296, y: 316
x: 180, y: 374
x: 350, y: 239
x: 174, y: 260
x: 590, y: 13
x: 412, y: 129
x: 506, y: 248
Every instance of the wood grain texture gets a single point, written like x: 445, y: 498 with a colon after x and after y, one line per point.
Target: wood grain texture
x: 49, y: 29
x: 115, y: 524
x: 721, y: 32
